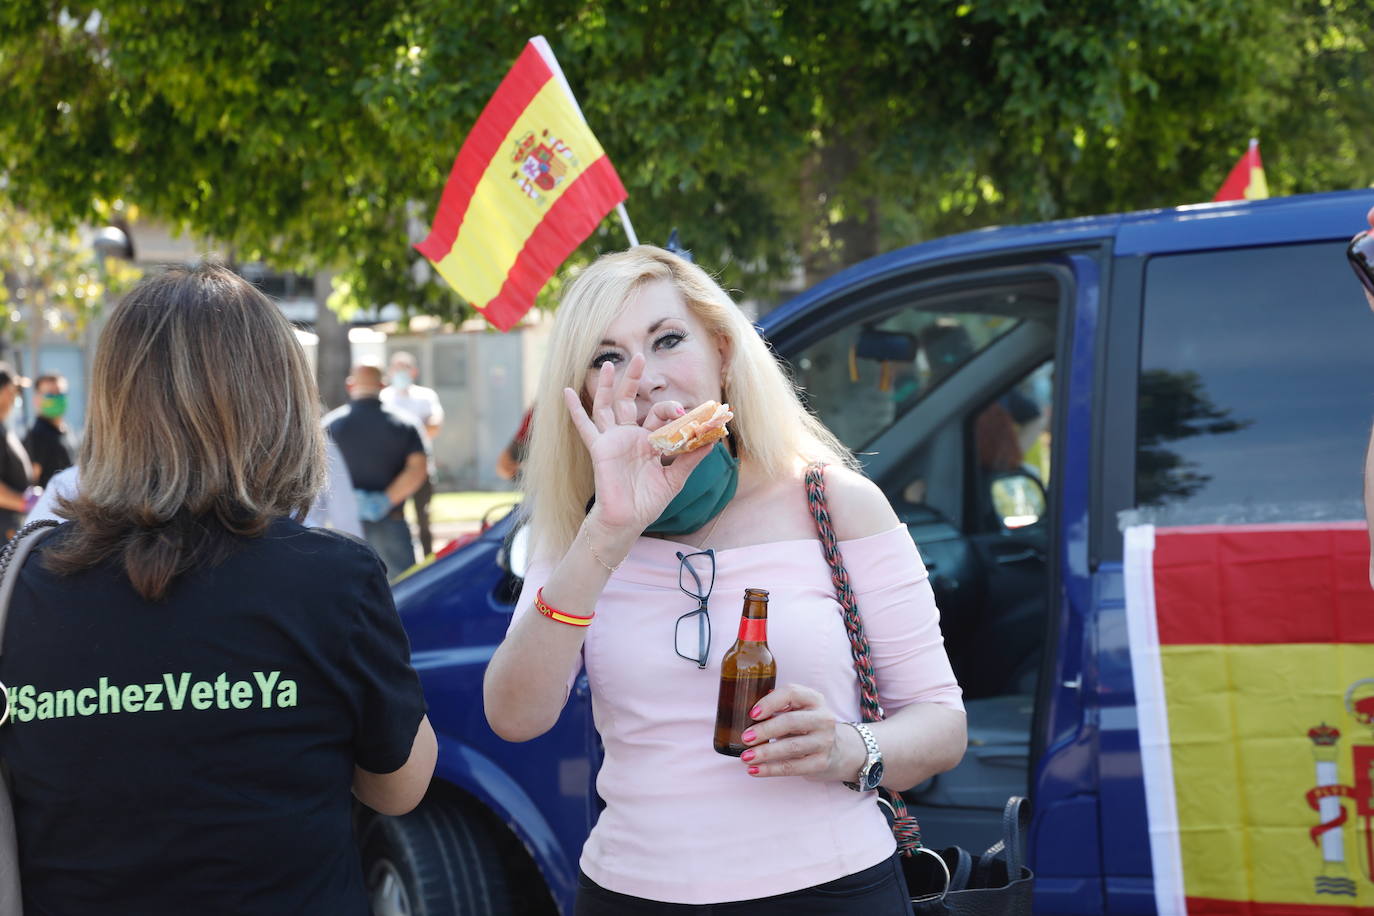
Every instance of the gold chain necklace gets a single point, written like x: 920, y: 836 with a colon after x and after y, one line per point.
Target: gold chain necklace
x: 701, y: 545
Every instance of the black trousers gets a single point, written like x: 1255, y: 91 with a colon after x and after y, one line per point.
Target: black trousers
x: 876, y: 891
x: 421, y: 500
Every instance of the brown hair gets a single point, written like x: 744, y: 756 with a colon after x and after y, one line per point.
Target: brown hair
x: 203, y: 426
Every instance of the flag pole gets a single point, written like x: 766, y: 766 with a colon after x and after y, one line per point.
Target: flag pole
x: 625, y: 221
x: 541, y: 44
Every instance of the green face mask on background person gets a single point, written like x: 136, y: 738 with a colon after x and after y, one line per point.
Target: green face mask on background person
x: 711, y: 485
x: 52, y: 406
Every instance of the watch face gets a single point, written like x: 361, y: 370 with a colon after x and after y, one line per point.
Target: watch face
x: 875, y: 776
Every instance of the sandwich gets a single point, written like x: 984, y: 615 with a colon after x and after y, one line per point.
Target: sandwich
x: 702, y: 425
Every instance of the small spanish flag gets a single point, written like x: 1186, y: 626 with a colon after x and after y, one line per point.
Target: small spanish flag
x: 530, y: 183
x: 1246, y: 181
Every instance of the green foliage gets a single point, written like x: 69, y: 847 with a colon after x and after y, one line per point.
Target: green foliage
x: 51, y: 276
x: 773, y: 133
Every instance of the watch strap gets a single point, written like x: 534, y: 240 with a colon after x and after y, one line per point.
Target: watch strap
x: 874, y: 754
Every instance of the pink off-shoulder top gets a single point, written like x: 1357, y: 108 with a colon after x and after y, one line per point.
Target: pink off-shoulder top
x: 684, y: 824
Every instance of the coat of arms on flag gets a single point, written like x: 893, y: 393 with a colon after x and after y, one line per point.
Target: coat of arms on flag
x: 1252, y: 648
x: 530, y: 183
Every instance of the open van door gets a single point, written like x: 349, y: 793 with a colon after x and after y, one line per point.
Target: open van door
x: 951, y: 387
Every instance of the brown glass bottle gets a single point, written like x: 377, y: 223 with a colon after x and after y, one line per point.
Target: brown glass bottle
x: 747, y: 673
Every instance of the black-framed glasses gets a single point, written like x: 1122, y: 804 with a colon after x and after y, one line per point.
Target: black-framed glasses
x: 1361, y: 255
x: 696, y: 576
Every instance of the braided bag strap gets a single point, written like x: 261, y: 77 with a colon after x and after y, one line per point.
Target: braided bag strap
x: 904, y: 826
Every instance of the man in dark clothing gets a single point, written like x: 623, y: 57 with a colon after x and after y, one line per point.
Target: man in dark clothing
x: 388, y: 459
x: 48, y: 442
x: 15, y: 472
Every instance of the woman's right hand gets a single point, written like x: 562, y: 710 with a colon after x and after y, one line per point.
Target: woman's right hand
x: 633, y: 485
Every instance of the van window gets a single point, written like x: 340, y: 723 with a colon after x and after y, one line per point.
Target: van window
x: 1256, y: 387
x: 862, y: 379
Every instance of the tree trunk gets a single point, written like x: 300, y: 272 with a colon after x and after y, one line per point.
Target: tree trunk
x: 826, y: 246
x: 333, y: 354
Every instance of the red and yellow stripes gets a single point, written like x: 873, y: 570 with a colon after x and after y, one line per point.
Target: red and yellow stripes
x: 1246, y: 180
x: 502, y: 229
x: 1266, y: 635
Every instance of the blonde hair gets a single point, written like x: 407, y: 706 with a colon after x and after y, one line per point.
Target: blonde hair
x: 203, y: 425
x: 772, y: 429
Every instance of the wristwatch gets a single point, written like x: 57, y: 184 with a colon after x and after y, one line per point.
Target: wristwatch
x: 871, y: 773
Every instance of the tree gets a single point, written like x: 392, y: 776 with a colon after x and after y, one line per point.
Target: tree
x: 777, y: 134
x: 51, y: 281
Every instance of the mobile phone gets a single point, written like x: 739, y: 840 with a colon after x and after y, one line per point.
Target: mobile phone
x: 1361, y: 255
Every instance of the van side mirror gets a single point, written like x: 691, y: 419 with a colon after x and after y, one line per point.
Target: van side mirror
x: 1019, y: 499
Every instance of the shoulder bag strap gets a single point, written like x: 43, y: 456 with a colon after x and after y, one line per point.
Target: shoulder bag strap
x: 12, y: 558
x: 904, y: 826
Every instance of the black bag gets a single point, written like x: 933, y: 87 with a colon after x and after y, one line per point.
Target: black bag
x: 997, y: 883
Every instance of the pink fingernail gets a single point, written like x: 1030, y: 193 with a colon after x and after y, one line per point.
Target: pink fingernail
x: 753, y: 771
x: 748, y: 736
x: 747, y: 756
x: 755, y: 712
x: 681, y: 411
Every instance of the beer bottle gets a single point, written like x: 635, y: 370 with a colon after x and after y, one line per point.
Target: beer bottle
x: 747, y: 674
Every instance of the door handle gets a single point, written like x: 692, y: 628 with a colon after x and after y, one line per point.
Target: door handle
x: 1021, y: 556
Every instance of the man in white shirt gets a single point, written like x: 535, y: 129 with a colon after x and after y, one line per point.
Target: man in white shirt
x: 423, y: 404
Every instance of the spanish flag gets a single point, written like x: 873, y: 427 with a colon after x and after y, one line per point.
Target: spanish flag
x: 530, y: 183
x: 1246, y: 181
x: 1252, y: 651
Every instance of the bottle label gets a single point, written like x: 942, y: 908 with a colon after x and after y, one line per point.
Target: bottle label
x: 751, y: 630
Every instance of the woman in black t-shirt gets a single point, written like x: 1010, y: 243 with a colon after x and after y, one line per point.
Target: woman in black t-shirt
x: 196, y: 681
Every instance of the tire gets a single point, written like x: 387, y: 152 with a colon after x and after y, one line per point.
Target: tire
x: 434, y: 861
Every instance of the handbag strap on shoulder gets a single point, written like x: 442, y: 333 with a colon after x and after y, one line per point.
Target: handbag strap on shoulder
x: 12, y: 559
x: 869, y: 703
x: 904, y: 826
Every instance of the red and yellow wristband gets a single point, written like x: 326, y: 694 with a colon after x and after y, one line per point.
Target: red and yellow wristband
x: 553, y: 613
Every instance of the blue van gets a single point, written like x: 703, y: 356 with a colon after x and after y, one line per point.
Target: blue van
x: 1019, y: 394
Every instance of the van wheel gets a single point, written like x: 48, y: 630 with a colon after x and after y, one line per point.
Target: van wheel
x: 434, y: 861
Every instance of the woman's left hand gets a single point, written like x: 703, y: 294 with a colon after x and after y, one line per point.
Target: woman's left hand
x: 796, y: 734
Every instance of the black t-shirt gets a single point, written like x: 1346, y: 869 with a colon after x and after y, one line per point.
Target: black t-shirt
x: 49, y: 447
x: 375, y: 439
x: 196, y: 755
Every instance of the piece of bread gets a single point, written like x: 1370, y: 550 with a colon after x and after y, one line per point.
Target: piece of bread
x: 702, y: 425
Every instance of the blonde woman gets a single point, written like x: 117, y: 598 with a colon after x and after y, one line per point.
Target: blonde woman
x: 642, y: 336
x: 199, y: 684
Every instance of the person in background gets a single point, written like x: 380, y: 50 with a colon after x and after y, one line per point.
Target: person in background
x: 513, y: 455
x: 423, y: 404
x: 387, y: 454
x: 16, y: 473
x: 202, y: 686
x: 48, y: 441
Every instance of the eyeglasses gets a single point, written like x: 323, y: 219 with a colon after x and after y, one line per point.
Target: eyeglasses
x: 1361, y: 255
x: 694, y: 569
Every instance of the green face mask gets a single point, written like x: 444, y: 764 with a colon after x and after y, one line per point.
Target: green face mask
x: 710, y: 486
x: 52, y: 406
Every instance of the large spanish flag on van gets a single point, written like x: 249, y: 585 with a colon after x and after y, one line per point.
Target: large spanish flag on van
x: 1253, y: 653
x: 529, y: 184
